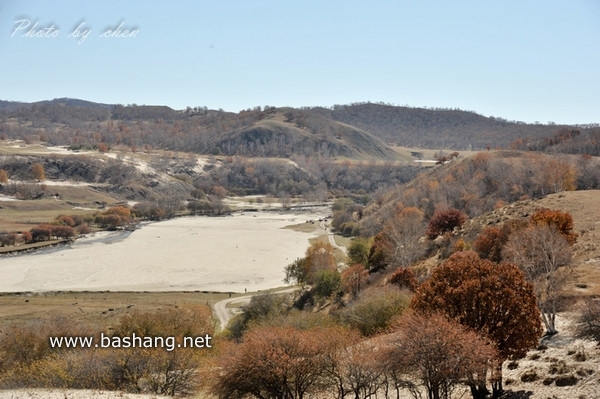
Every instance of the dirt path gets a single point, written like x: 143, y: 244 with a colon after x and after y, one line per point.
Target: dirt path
x: 225, y: 314
x: 331, y: 238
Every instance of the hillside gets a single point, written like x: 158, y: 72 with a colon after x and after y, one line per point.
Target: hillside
x: 357, y: 131
x: 485, y: 181
x: 585, y: 209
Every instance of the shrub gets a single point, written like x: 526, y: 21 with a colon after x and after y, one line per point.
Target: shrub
x: 327, y: 282
x: 404, y: 277
x: 566, y: 380
x: 512, y: 365
x: 445, y: 221
x: 373, y: 311
x: 529, y: 376
x: 352, y: 278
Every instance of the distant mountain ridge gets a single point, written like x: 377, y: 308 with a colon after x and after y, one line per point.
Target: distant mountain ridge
x: 360, y: 131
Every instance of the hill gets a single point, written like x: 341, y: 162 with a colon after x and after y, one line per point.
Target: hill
x: 357, y: 131
x: 484, y: 182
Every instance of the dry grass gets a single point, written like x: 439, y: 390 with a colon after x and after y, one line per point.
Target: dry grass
x: 96, y: 308
x: 22, y: 215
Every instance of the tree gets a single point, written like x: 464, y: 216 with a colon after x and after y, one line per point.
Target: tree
x: 404, y: 277
x: 326, y: 283
x: 438, y: 352
x: 562, y: 221
x: 37, y: 170
x: 353, y: 277
x: 275, y: 362
x: 541, y: 251
x: 358, y: 252
x: 356, y: 368
x: 403, y: 232
x: 490, y: 242
x: 319, y: 257
x: 493, y: 300
x: 445, y: 221
x: 3, y: 176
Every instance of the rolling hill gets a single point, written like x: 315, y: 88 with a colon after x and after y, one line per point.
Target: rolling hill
x: 363, y: 131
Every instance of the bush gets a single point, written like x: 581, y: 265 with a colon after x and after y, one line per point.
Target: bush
x: 588, y: 321
x: 373, y: 311
x: 529, y: 376
x: 445, y: 221
x: 566, y: 380
x: 327, y: 282
x: 404, y: 277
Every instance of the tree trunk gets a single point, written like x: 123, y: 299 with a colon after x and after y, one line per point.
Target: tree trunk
x: 497, y: 389
x: 479, y: 391
x: 549, y: 320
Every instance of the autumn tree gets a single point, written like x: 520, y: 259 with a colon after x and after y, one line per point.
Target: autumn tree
x: 3, y: 176
x: 37, y: 171
x: 541, y: 251
x: 490, y: 243
x: 403, y: 277
x: 167, y: 372
x: 438, y: 352
x: 275, y: 362
x: 494, y: 300
x: 114, y: 217
x: 352, y: 278
x: 319, y: 257
x: 356, y: 368
x: 445, y: 221
x: 562, y: 221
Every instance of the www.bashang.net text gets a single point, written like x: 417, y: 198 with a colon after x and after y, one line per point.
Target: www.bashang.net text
x: 133, y: 341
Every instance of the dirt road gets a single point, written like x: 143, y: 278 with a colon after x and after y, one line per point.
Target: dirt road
x: 225, y: 314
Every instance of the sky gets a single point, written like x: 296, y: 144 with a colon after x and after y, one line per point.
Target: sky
x: 522, y: 60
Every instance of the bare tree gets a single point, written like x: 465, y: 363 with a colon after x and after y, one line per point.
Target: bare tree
x: 541, y: 251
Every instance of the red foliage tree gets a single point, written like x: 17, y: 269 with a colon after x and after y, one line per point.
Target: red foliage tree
x: 445, y: 221
x: 404, y: 277
x: 492, y: 299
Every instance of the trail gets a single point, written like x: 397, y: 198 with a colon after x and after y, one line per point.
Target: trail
x: 225, y: 314
x: 331, y: 238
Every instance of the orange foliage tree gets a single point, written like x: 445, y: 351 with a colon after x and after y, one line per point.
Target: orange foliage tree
x: 492, y: 299
x: 319, y: 258
x: 404, y: 277
x: 37, y: 170
x: 562, y: 221
x: 276, y: 362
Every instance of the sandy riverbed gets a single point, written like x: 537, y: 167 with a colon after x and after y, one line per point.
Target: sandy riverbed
x: 242, y: 252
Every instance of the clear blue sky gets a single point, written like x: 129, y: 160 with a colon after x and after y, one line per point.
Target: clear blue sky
x: 520, y: 60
